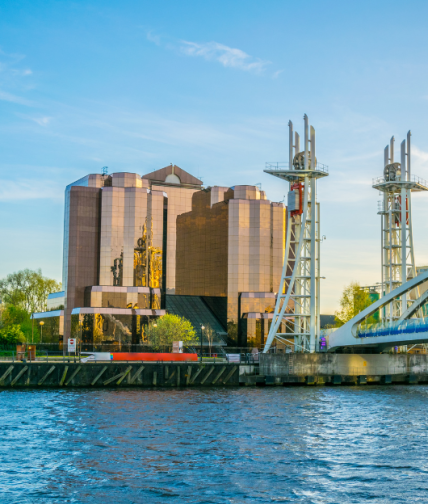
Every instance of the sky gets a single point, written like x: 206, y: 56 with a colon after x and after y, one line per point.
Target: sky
x: 210, y: 86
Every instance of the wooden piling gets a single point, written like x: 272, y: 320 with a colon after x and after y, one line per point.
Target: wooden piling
x: 219, y: 374
x: 18, y: 376
x: 46, y: 375
x: 64, y: 374
x: 229, y: 375
x: 103, y: 370
x: 207, y: 375
x: 73, y: 375
x: 136, y: 375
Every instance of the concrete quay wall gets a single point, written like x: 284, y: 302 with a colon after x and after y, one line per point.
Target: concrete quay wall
x: 93, y: 375
x: 328, y: 364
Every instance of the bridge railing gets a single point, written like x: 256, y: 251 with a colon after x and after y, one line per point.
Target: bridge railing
x: 393, y: 328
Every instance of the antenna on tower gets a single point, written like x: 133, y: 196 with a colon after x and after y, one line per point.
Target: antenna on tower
x: 104, y: 170
x: 398, y: 258
x: 299, y: 292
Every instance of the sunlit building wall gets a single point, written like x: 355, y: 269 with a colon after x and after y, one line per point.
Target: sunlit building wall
x: 231, y: 247
x: 180, y: 187
x: 119, y: 241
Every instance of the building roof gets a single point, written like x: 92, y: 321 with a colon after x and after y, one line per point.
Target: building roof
x: 162, y: 174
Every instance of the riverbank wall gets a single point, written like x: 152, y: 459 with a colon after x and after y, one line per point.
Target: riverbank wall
x: 273, y: 369
x: 329, y: 368
x: 114, y: 374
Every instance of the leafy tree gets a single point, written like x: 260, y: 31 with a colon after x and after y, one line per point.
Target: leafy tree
x: 13, y: 315
x: 28, y: 290
x: 209, y: 334
x: 353, y: 301
x: 11, y: 334
x: 170, y: 328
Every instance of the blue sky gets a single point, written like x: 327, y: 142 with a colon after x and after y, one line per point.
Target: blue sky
x: 209, y: 86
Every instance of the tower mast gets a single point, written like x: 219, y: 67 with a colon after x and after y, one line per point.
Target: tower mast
x: 296, y: 312
x: 398, y: 258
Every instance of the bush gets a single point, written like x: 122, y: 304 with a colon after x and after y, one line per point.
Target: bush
x: 170, y: 328
x: 11, y: 334
x: 13, y: 315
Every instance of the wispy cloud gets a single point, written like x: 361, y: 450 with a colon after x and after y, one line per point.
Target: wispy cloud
x: 22, y: 73
x: 276, y: 74
x: 421, y: 155
x: 152, y: 37
x: 42, y: 121
x: 18, y: 190
x: 9, y: 97
x: 11, y: 74
x: 227, y: 56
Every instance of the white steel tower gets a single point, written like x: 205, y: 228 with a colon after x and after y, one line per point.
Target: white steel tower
x: 398, y: 259
x: 299, y: 286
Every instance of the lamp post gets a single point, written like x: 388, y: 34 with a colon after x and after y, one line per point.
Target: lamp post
x: 41, y: 330
x: 202, y: 328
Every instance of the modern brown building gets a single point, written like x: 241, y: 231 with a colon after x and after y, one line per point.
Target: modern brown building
x: 137, y: 247
x: 119, y: 238
x: 230, y: 250
x: 179, y: 186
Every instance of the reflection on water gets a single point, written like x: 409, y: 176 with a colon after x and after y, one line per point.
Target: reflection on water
x: 299, y: 445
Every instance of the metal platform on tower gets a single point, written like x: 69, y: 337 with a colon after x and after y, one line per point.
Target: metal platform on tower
x: 293, y: 174
x: 299, y: 289
x: 398, y: 257
x: 415, y: 184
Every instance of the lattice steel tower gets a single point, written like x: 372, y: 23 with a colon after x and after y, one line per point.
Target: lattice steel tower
x: 398, y: 258
x: 297, y: 306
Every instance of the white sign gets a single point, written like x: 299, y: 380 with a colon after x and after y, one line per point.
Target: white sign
x: 231, y: 357
x: 177, y: 347
x: 97, y: 356
x: 71, y: 344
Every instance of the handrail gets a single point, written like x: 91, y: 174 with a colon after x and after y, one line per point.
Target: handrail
x: 286, y: 166
x: 413, y: 178
x: 380, y: 303
x: 392, y: 328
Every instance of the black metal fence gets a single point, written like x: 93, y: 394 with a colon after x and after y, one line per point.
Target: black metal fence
x: 58, y: 352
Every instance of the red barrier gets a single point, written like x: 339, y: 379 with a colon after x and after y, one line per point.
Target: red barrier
x: 168, y: 357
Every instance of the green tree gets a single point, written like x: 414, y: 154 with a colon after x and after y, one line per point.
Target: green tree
x: 170, y: 328
x: 12, y: 315
x: 28, y: 290
x: 353, y: 301
x: 209, y: 334
x: 11, y: 334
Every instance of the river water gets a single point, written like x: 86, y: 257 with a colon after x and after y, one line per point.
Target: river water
x: 299, y: 445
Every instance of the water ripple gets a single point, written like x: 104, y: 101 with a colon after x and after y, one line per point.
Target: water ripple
x: 297, y: 445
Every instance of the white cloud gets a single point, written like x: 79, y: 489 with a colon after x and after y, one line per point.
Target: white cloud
x: 276, y: 74
x: 227, y: 56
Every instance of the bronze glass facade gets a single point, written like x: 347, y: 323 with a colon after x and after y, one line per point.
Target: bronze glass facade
x: 53, y: 326
x: 232, y: 244
x: 180, y: 187
x: 111, y: 329
x: 129, y: 241
x: 119, y: 240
